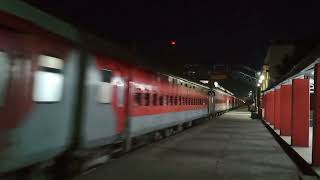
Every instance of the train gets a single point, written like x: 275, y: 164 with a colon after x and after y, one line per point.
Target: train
x: 67, y: 105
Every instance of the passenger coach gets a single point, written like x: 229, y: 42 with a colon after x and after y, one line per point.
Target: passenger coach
x: 66, y: 105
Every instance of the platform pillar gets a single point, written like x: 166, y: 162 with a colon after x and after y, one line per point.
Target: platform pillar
x: 271, y: 107
x: 265, y: 107
x: 285, y: 109
x: 300, y: 112
x: 316, y: 118
x: 277, y: 108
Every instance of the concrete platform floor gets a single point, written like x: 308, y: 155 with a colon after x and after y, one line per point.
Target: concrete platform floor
x: 231, y: 147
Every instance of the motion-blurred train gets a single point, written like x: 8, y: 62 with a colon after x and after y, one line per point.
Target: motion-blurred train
x: 63, y: 100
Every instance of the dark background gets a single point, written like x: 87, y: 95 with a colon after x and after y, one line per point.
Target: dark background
x: 206, y: 32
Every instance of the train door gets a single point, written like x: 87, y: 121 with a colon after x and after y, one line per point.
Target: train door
x: 15, y: 70
x: 211, y: 102
x: 113, y: 95
x: 120, y: 102
x: 5, y: 87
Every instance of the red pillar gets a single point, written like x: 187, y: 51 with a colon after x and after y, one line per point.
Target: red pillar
x: 265, y: 101
x: 300, y: 112
x: 277, y: 108
x: 316, y: 118
x: 285, y: 109
x: 271, y: 108
x: 266, y: 108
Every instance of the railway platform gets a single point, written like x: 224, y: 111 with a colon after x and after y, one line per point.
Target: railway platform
x: 232, y: 146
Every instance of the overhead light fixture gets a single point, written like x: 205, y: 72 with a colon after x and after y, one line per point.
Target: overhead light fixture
x: 260, y: 80
x: 258, y: 85
x: 262, y: 77
x: 204, y: 81
x: 259, y: 73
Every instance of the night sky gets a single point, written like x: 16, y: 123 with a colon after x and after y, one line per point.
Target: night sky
x: 206, y: 32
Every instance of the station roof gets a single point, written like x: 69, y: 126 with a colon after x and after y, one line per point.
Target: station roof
x: 304, y: 68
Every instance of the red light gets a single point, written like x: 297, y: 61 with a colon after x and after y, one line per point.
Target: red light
x: 173, y: 43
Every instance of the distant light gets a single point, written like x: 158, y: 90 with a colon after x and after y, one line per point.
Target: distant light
x: 258, y: 85
x: 216, y: 84
x: 259, y: 73
x: 262, y: 77
x: 260, y: 80
x: 204, y: 81
x: 173, y: 43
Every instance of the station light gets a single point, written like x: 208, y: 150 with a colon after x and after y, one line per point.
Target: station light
x: 262, y: 77
x: 173, y: 43
x: 260, y: 81
x: 258, y: 85
x: 258, y: 73
x: 216, y: 84
x: 204, y: 81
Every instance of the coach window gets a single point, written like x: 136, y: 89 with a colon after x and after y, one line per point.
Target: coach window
x: 167, y: 100
x: 4, y: 76
x: 171, y: 100
x: 175, y: 100
x: 48, y: 80
x: 147, y: 99
x: 161, y: 100
x: 154, y: 99
x: 137, y: 98
x: 104, y: 94
x: 180, y: 100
